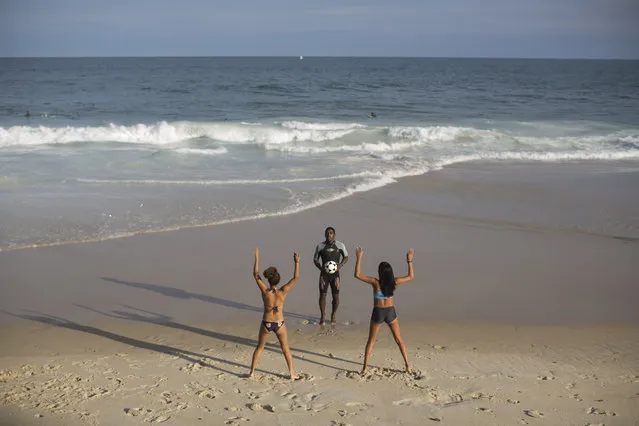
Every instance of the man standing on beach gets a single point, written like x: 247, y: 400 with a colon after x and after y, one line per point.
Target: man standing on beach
x: 330, y: 250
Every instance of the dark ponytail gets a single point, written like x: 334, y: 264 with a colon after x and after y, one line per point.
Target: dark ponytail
x: 386, y: 279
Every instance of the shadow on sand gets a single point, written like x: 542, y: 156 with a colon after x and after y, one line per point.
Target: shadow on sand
x: 189, y: 356
x: 140, y: 315
x: 183, y: 294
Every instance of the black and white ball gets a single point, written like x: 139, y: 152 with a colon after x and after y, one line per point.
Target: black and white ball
x: 330, y: 267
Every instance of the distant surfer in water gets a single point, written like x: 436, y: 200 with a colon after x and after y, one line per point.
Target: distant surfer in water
x: 27, y: 114
x: 372, y: 115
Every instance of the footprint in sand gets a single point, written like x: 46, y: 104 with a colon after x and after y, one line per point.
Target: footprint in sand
x: 308, y: 397
x: 453, y: 399
x: 360, y: 406
x: 167, y: 398
x: 410, y: 402
x: 193, y: 367
x: 629, y: 378
x: 134, y: 412
x: 304, y: 377
x: 377, y: 373
x: 544, y: 377
x: 260, y: 407
x: 533, y: 413
x: 203, y: 391
x: 481, y: 395
x: 598, y: 411
x: 96, y: 393
x: 208, y: 393
x: 236, y: 420
x: 254, y: 395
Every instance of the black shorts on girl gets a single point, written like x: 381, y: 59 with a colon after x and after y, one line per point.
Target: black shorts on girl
x: 386, y: 315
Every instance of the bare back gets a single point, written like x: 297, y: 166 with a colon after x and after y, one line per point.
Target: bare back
x: 381, y: 303
x: 273, y: 299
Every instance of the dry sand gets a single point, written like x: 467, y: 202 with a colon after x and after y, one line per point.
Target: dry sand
x: 522, y: 312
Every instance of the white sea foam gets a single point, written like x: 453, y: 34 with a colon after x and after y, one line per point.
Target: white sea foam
x: 159, y: 134
x: 164, y: 133
x: 300, y: 125
x: 202, y: 151
x: 316, y: 138
x: 230, y: 181
x: 539, y: 156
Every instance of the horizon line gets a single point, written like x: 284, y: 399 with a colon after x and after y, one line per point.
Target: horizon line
x: 329, y: 57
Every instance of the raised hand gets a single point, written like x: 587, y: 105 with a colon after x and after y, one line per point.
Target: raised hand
x: 409, y: 255
x: 296, y: 257
x: 359, y: 252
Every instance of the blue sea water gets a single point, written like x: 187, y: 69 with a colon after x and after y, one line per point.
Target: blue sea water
x: 115, y: 146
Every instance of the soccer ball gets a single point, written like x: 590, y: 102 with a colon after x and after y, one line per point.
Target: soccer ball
x: 330, y: 267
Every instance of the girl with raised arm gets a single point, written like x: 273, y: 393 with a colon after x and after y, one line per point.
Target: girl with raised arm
x: 383, y: 307
x: 273, y: 317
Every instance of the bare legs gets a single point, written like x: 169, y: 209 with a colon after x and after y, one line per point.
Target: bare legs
x: 282, y: 336
x: 322, y: 305
x: 372, y: 336
x: 334, y: 305
x: 394, y: 326
x: 324, y: 282
x: 261, y: 341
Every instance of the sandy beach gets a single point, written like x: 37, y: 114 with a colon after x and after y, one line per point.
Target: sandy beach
x: 523, y: 311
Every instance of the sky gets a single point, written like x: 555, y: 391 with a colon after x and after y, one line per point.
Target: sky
x: 408, y: 28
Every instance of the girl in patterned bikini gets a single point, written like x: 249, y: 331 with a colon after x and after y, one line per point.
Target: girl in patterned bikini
x: 273, y: 318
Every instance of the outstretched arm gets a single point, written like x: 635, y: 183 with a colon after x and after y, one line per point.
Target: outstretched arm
x: 344, y: 254
x: 411, y: 273
x: 358, y: 256
x: 256, y: 271
x: 342, y: 263
x: 296, y: 274
x: 316, y: 258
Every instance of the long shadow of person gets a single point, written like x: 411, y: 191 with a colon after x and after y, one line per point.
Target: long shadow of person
x: 164, y: 320
x: 183, y: 294
x: 187, y: 355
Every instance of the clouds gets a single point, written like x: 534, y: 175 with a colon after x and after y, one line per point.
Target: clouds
x: 281, y: 27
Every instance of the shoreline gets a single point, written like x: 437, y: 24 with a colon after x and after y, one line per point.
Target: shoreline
x: 456, y: 166
x: 485, y: 246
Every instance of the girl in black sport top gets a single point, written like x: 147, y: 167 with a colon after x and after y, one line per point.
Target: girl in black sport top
x: 383, y: 306
x: 273, y: 318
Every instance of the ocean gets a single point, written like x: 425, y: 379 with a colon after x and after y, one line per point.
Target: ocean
x: 99, y: 148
